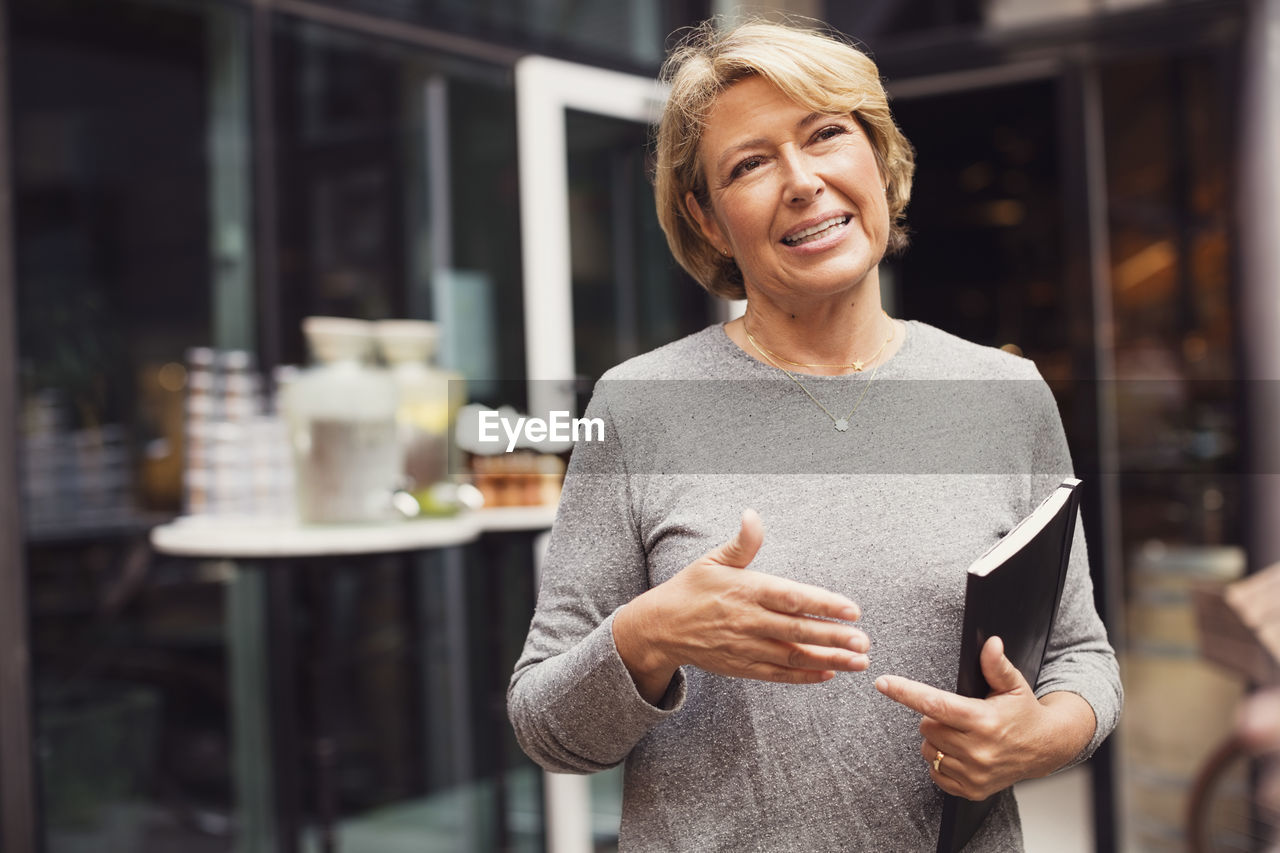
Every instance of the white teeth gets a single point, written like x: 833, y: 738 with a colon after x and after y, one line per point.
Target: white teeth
x: 801, y: 237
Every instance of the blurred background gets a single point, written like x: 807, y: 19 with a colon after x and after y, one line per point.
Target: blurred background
x: 1097, y: 190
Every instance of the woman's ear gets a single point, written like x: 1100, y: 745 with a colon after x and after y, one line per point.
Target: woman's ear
x: 706, y: 223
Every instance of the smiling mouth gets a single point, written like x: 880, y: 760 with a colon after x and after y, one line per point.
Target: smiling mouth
x: 816, y: 232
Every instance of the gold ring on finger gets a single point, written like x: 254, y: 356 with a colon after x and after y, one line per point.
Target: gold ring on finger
x: 937, y: 762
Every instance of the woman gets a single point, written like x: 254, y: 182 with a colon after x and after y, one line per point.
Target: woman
x: 785, y: 686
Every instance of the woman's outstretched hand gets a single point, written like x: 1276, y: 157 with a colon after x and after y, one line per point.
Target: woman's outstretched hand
x: 989, y: 744
x: 720, y: 616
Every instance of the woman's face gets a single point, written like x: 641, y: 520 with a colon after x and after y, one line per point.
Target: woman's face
x: 796, y: 197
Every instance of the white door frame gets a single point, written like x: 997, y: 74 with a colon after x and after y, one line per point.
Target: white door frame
x: 545, y: 89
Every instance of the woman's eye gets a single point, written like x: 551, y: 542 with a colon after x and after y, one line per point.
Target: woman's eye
x: 830, y: 132
x: 747, y: 165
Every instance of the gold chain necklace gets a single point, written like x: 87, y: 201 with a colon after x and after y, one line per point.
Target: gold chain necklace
x: 857, y: 365
x: 841, y: 424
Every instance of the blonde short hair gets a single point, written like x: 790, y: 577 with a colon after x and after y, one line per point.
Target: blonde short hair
x: 818, y: 71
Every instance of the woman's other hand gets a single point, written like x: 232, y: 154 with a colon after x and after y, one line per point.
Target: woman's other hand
x: 718, y: 615
x: 989, y: 744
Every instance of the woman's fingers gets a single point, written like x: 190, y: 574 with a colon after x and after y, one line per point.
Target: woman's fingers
x: 777, y: 628
x: 955, y: 711
x: 787, y: 596
x: 971, y: 767
x: 946, y: 770
x: 799, y: 656
x: 810, y: 631
x: 761, y: 671
x: 773, y: 647
x: 743, y: 656
x: 723, y: 617
x: 739, y: 551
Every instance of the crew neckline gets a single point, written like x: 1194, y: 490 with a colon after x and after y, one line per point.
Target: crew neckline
x: 888, y: 368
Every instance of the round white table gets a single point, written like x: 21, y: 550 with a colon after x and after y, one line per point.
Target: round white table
x: 232, y: 538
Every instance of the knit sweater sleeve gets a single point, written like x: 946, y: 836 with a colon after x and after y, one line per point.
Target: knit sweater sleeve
x: 1079, y: 659
x: 571, y: 700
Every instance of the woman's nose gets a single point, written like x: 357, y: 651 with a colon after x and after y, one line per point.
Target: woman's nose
x: 802, y: 183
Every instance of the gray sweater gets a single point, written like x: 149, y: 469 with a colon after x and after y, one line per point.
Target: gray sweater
x: 950, y: 446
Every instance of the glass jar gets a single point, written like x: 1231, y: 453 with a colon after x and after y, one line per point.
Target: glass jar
x: 342, y: 417
x: 429, y: 399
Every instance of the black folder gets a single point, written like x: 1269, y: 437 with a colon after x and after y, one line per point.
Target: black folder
x: 1012, y: 592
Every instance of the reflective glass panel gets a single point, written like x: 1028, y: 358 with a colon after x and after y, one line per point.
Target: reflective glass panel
x: 985, y: 220
x: 629, y: 295
x: 126, y: 255
x: 397, y: 195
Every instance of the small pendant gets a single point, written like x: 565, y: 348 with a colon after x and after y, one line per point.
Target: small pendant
x: 857, y: 366
x: 842, y: 425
